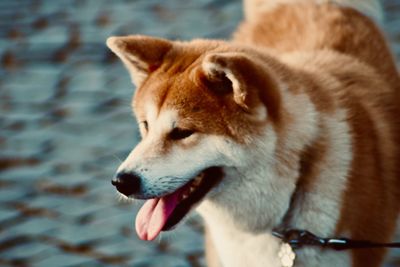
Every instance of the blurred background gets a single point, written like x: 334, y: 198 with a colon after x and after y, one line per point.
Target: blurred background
x: 66, y: 124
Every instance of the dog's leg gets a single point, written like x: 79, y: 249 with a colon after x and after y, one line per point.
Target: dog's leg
x: 211, y: 254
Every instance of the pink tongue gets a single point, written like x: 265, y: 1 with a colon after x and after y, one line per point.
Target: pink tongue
x: 153, y: 215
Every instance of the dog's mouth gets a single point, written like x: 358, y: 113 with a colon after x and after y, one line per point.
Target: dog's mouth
x: 162, y: 214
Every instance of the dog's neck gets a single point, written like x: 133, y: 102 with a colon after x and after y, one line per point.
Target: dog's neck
x: 242, y: 224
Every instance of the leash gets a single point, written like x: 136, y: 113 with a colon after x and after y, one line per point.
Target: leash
x: 299, y: 238
x: 295, y: 239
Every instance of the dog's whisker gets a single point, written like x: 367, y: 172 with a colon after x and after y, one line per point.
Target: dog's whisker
x: 124, y: 199
x: 118, y: 158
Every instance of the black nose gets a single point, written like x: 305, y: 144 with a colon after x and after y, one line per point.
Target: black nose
x: 127, y: 183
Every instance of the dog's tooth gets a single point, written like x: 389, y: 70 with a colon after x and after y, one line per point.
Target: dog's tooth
x: 197, y: 180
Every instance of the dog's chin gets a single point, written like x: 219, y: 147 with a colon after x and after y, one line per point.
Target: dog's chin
x: 163, y: 213
x: 193, y: 193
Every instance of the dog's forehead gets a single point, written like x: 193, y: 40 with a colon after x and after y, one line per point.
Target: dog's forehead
x: 193, y: 104
x: 176, y: 91
x: 165, y: 119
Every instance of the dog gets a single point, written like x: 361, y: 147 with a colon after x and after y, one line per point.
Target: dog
x: 294, y: 122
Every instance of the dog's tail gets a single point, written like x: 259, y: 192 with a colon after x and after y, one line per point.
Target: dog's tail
x: 372, y: 8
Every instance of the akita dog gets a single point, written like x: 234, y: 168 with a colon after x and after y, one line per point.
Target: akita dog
x: 294, y: 123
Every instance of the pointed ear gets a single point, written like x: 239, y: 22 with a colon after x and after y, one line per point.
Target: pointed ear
x: 249, y: 81
x: 140, y: 54
x: 222, y: 70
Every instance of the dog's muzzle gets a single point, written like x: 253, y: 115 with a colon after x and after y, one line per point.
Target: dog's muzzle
x: 127, y: 183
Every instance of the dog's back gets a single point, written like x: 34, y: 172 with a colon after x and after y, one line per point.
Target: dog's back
x: 372, y: 8
x: 345, y: 26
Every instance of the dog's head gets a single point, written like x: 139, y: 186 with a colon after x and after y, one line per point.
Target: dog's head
x: 201, y: 107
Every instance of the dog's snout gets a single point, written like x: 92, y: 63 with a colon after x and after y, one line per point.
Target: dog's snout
x: 127, y: 183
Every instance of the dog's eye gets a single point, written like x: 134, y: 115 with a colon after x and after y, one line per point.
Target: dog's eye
x: 178, y: 134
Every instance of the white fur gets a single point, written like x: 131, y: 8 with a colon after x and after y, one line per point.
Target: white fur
x: 324, y: 201
x: 252, y: 181
x: 252, y: 198
x: 235, y: 247
x: 248, y: 201
x: 371, y: 8
x: 319, y: 210
x: 152, y: 114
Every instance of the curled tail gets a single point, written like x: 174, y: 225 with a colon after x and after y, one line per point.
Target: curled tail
x: 371, y: 8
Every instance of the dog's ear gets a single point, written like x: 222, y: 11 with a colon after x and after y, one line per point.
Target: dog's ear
x: 140, y: 54
x: 249, y: 81
x: 223, y: 76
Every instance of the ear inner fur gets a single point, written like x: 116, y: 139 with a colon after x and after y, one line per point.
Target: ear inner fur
x: 140, y: 54
x: 251, y: 85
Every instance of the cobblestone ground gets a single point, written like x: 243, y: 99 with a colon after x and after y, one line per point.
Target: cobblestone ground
x: 66, y: 123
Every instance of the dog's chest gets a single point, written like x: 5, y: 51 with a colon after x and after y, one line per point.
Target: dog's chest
x: 237, y: 248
